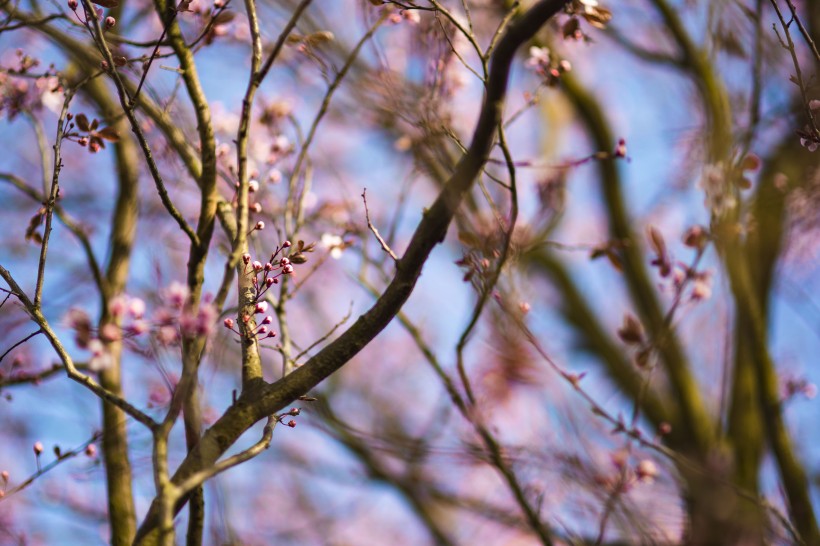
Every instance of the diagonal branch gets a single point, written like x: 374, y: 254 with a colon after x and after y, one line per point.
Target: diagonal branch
x: 259, y: 403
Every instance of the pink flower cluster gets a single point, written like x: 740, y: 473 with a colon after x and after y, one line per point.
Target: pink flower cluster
x: 263, y: 276
x: 546, y: 66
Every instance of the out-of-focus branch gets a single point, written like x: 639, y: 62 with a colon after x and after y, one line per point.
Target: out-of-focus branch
x: 695, y: 421
x: 124, y: 218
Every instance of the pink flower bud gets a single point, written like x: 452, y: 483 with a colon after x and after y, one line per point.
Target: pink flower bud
x: 261, y: 307
x: 256, y: 207
x: 139, y: 327
x: 286, y: 244
x: 73, y: 5
x: 288, y: 269
x: 117, y: 306
x: 291, y: 423
x: 284, y: 262
x: 262, y: 330
x: 5, y: 475
x: 246, y: 258
x: 257, y: 266
x: 260, y: 225
x: 110, y: 22
x: 253, y: 186
x: 91, y: 450
x: 646, y: 471
x: 620, y: 150
x: 136, y: 308
x: 83, y: 141
x: 268, y: 267
x: 104, y: 65
x: 38, y: 448
x: 268, y: 320
x: 228, y: 323
x: 110, y: 332
x: 269, y: 281
x: 271, y: 334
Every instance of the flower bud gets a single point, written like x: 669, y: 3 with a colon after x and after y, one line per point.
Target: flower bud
x: 260, y: 225
x: 110, y: 22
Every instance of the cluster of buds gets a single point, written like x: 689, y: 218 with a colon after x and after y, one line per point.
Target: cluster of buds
x: 697, y: 238
x: 255, y: 207
x: 547, y: 66
x: 293, y: 412
x: 262, y: 329
x: 263, y: 276
x: 266, y: 275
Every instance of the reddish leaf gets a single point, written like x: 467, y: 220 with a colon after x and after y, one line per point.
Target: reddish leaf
x: 106, y: 3
x: 109, y: 133
x: 82, y: 122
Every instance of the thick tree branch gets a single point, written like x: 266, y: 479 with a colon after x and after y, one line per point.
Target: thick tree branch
x: 260, y: 403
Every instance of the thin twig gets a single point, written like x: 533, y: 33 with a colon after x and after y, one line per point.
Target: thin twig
x: 375, y: 231
x: 28, y: 337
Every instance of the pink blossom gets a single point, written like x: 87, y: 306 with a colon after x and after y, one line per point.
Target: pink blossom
x: 702, y: 287
x: 139, y: 327
x: 176, y: 294
x: 118, y: 305
x: 646, y: 471
x: 167, y: 335
x: 100, y: 359
x: 110, y: 332
x: 136, y: 308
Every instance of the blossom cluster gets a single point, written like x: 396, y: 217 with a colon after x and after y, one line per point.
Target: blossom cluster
x: 169, y: 323
x: 546, y: 65
x: 263, y: 277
